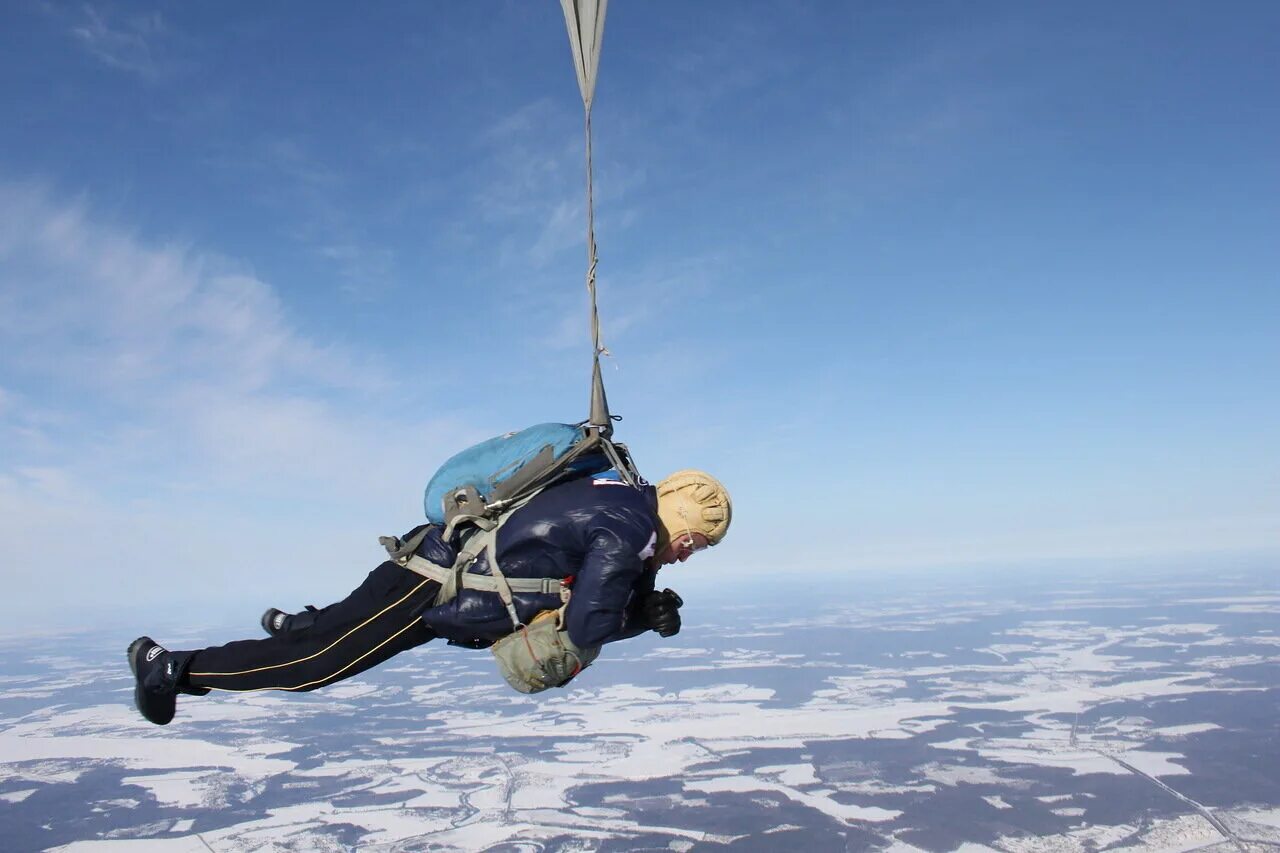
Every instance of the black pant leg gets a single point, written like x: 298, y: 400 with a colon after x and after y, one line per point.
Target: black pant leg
x: 378, y: 620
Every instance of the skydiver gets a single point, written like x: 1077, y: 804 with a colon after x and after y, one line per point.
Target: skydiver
x: 601, y: 535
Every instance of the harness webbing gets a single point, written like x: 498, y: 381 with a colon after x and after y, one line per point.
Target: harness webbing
x: 484, y: 540
x: 483, y: 583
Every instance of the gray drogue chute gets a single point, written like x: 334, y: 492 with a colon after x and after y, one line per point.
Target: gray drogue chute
x: 584, y: 19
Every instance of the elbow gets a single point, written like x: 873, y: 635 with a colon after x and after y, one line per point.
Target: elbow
x: 593, y: 630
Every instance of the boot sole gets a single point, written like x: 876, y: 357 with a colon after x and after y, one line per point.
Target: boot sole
x: 134, y: 648
x: 265, y: 622
x: 158, y: 716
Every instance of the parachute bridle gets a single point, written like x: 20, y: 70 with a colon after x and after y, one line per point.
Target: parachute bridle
x: 584, y: 20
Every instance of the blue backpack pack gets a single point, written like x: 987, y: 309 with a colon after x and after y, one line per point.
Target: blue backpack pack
x: 508, y: 467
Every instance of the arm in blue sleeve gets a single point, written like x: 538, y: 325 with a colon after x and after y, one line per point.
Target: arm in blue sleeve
x: 635, y: 623
x: 602, y: 591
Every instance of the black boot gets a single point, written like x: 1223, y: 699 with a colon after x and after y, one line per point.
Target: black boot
x: 276, y: 622
x: 158, y: 673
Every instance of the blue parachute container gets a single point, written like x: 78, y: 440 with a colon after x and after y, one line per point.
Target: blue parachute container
x: 489, y: 464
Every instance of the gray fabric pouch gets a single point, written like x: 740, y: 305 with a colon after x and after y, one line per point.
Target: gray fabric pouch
x: 541, y: 655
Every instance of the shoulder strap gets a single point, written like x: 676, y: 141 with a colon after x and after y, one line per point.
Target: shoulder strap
x: 484, y: 540
x: 398, y: 548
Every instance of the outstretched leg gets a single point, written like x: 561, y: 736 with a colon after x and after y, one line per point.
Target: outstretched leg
x: 378, y: 620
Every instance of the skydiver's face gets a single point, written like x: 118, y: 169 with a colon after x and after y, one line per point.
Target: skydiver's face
x: 682, y: 548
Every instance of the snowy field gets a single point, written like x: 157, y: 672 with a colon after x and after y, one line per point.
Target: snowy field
x: 1097, y: 715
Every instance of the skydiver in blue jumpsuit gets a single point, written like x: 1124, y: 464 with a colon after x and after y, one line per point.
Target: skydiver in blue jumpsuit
x: 598, y: 533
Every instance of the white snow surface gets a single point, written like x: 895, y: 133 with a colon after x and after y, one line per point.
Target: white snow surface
x: 1058, y: 678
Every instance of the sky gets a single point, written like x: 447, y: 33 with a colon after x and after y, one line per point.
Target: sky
x: 929, y: 286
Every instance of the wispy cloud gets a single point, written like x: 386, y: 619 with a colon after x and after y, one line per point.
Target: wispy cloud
x: 532, y: 185
x: 314, y: 199
x: 157, y: 385
x: 527, y: 179
x: 640, y: 299
x: 914, y: 121
x: 123, y: 43
x: 125, y: 314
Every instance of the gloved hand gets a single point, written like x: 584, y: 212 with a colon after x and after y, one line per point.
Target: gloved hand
x: 662, y: 612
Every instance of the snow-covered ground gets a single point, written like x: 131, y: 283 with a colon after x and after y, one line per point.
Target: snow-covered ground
x: 1022, y: 725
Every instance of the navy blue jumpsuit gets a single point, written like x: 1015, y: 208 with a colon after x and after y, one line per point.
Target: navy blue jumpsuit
x: 596, y: 529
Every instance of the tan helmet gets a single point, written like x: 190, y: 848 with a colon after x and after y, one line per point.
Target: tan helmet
x: 694, y: 502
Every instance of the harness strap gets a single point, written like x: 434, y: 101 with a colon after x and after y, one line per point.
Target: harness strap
x: 483, y: 522
x: 504, y: 586
x: 398, y: 548
x: 483, y: 583
x: 456, y: 577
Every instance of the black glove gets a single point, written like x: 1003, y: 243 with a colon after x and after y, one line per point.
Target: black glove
x: 662, y: 612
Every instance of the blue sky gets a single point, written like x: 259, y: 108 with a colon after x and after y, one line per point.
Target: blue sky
x: 929, y: 285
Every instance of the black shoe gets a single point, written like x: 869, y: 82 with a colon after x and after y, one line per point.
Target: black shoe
x: 157, y: 673
x: 275, y: 622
